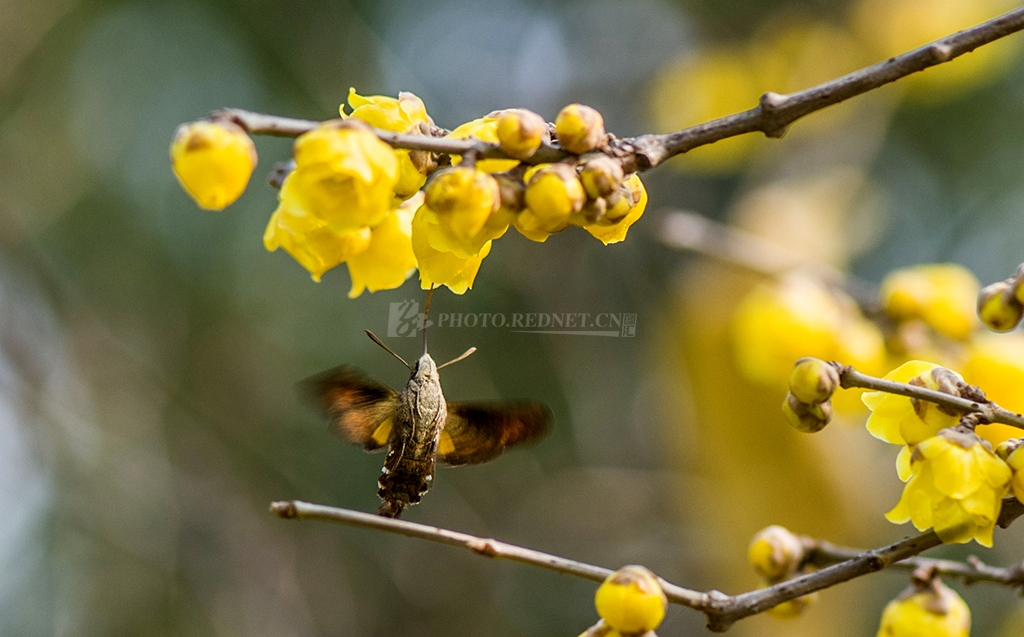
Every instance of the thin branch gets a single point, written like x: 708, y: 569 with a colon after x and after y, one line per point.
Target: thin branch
x: 989, y: 411
x: 821, y: 553
x: 720, y: 609
x: 776, y: 112
x: 772, y: 116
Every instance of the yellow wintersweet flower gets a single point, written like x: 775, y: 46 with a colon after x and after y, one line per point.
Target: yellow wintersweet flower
x: 926, y: 610
x: 905, y: 421
x: 1013, y: 452
x: 612, y: 228
x: 957, y: 486
x: 943, y: 295
x: 389, y: 259
x: 996, y: 364
x: 213, y: 162
x: 439, y: 267
x: 407, y: 114
x: 312, y: 242
x: 553, y: 195
x: 345, y: 176
x: 630, y: 600
x: 486, y: 130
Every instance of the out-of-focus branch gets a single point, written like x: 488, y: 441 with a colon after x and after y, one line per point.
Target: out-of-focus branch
x: 989, y: 411
x: 772, y: 116
x: 720, y: 609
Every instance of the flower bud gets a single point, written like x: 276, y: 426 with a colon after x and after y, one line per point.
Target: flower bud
x: 521, y: 132
x: 553, y: 194
x: 793, y: 608
x: 813, y: 381
x: 775, y: 553
x: 463, y: 199
x: 631, y: 600
x: 580, y: 129
x: 1012, y: 451
x: 601, y: 176
x: 804, y: 417
x: 213, y: 161
x: 999, y: 308
x: 926, y: 608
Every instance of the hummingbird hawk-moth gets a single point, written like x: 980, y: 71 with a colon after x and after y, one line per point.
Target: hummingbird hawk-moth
x: 419, y: 426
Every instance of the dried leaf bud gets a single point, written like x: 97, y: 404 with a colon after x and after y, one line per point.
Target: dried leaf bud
x: 631, y: 600
x: 601, y: 176
x: 804, y: 417
x: 999, y: 308
x: 813, y: 381
x: 213, y: 161
x: 521, y: 132
x: 775, y: 553
x: 580, y: 129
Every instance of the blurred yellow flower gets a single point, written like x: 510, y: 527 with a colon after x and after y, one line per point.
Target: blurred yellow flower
x: 781, y: 321
x: 406, y: 114
x: 486, y: 130
x: 345, y: 176
x: 892, y: 27
x: 388, y: 260
x: 612, y: 228
x: 312, y: 242
x: 775, y: 553
x: 702, y: 86
x: 904, y: 421
x: 943, y: 295
x: 630, y: 600
x: 439, y: 267
x: 213, y: 162
x: 995, y: 363
x: 926, y: 610
x: 1013, y: 452
x: 957, y: 486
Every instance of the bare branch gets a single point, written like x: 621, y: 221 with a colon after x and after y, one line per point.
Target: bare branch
x: 720, y: 609
x: 989, y: 411
x: 772, y: 116
x: 821, y: 553
x: 777, y: 112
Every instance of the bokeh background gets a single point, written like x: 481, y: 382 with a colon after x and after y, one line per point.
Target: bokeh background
x: 149, y: 350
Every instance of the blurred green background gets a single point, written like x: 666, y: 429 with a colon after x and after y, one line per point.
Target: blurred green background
x: 149, y: 350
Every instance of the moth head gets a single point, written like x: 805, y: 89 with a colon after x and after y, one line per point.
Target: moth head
x: 425, y: 368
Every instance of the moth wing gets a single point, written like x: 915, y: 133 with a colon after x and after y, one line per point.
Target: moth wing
x: 476, y: 432
x: 361, y: 409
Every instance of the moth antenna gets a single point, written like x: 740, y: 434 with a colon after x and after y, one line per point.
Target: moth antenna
x: 387, y: 349
x: 456, y: 360
x: 426, y: 312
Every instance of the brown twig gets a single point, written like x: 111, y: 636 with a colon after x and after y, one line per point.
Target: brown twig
x: 989, y: 411
x: 720, y: 609
x: 772, y: 116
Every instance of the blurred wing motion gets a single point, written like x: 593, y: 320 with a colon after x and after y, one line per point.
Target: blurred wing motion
x: 360, y: 409
x: 478, y: 432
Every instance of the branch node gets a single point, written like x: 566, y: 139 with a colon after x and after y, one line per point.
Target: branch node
x: 941, y: 52
x: 483, y: 546
x: 284, y: 509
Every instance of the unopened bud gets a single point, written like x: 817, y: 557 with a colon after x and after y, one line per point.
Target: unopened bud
x: 554, y: 193
x: 521, y: 132
x: 999, y: 308
x: 813, y: 381
x: 601, y: 176
x: 580, y: 129
x: 463, y: 199
x: 806, y: 417
x: 213, y: 161
x: 631, y: 600
x: 775, y: 553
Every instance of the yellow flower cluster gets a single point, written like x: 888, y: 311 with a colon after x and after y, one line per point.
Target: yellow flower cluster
x: 941, y: 295
x: 956, y: 486
x: 351, y: 198
x: 926, y: 609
